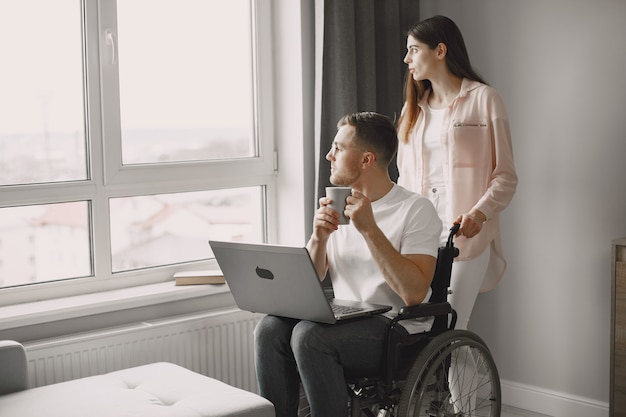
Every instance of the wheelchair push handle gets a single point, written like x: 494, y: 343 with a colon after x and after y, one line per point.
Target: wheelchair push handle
x: 453, y: 231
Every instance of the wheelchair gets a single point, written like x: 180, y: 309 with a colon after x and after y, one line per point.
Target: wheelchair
x: 440, y: 373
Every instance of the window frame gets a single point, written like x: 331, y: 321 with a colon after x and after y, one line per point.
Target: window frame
x: 108, y: 178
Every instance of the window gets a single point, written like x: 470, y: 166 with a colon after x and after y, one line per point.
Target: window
x: 185, y: 76
x: 42, y: 135
x: 131, y: 133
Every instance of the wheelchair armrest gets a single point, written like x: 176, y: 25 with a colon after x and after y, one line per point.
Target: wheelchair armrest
x: 438, y: 310
x: 424, y: 310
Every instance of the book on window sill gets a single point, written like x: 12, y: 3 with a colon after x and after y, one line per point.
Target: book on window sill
x: 213, y: 276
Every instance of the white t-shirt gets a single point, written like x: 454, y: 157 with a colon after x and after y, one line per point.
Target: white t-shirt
x: 433, y: 151
x: 411, y: 224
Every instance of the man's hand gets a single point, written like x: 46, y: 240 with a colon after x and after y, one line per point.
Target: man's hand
x: 359, y: 210
x: 325, y: 221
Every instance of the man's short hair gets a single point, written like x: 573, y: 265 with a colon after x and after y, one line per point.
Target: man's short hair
x: 374, y: 132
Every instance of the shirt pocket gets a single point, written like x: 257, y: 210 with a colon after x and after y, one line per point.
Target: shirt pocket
x: 470, y: 143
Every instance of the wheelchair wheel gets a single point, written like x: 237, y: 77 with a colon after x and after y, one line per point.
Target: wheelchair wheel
x: 453, y: 376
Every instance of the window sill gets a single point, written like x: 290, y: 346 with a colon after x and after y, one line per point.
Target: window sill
x: 41, y: 312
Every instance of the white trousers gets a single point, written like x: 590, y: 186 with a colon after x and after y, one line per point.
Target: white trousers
x: 465, y: 283
x: 467, y: 276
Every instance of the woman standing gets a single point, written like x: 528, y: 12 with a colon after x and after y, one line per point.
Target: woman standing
x: 455, y: 148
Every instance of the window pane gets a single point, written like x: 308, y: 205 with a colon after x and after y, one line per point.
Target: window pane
x: 166, y: 229
x: 44, y: 243
x: 185, y: 70
x: 42, y: 136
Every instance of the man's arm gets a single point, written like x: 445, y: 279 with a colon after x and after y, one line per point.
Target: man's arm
x: 317, y: 252
x: 409, y: 275
x: 325, y: 222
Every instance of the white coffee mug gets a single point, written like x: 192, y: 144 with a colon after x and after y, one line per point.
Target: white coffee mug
x: 338, y: 196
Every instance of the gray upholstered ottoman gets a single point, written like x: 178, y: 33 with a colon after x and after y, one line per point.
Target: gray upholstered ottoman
x: 154, y: 390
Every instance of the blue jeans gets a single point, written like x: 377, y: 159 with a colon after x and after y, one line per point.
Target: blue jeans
x: 288, y: 351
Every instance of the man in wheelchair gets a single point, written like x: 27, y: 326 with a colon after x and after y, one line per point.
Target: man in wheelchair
x: 387, y: 254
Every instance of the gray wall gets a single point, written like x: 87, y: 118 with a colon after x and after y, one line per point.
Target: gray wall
x: 559, y: 66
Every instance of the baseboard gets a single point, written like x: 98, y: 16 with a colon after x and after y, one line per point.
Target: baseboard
x: 551, y: 403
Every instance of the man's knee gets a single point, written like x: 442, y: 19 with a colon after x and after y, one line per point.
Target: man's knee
x: 307, y: 336
x: 272, y: 330
x: 263, y: 328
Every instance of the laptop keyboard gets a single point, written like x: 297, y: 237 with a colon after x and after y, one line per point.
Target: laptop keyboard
x: 345, y: 309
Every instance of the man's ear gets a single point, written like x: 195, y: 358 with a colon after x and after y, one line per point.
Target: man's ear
x: 369, y: 159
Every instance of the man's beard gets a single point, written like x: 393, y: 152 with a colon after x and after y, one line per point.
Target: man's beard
x: 344, y: 179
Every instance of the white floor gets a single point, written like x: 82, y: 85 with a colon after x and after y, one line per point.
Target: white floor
x: 508, y: 411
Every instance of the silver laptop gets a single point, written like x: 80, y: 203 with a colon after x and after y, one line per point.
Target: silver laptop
x: 282, y: 281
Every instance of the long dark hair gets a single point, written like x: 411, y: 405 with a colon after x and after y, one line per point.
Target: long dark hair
x: 432, y: 32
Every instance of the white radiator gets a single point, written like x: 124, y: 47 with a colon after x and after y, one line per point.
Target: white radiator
x: 215, y: 344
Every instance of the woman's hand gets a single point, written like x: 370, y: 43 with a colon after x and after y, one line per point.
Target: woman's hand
x: 471, y: 223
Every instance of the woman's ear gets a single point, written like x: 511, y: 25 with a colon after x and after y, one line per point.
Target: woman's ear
x: 442, y: 50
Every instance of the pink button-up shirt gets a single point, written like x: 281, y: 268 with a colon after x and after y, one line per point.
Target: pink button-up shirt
x: 478, y: 167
